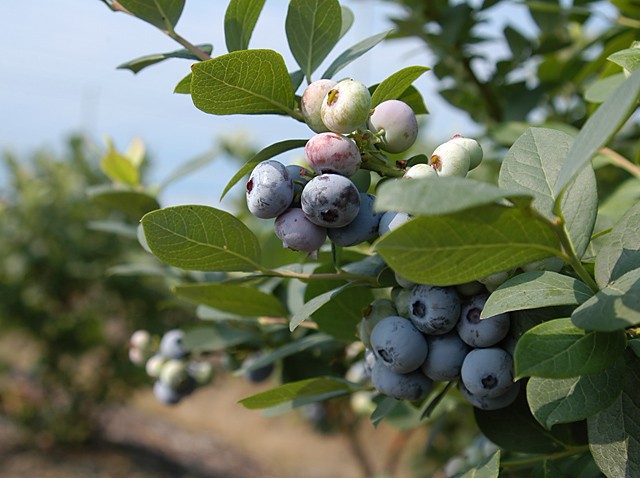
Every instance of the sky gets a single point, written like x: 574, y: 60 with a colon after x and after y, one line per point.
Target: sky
x: 58, y: 76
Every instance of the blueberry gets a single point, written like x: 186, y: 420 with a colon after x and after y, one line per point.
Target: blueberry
x: 398, y: 344
x: 446, y: 354
x: 300, y: 177
x: 363, y: 228
x: 297, y: 232
x: 377, y: 310
x: 399, y: 123
x: 402, y: 386
x: 165, y: 394
x: 311, y: 103
x: 450, y: 159
x: 332, y: 153
x: 473, y: 147
x: 330, y: 200
x: 200, y: 372
x: 257, y: 375
x: 346, y: 106
x: 401, y: 300
x: 491, y: 403
x: 434, y: 310
x: 390, y: 220
x: 420, y: 170
x: 154, y: 364
x: 171, y: 346
x: 487, y: 372
x: 174, y: 374
x: 481, y: 332
x: 362, y: 179
x: 269, y: 189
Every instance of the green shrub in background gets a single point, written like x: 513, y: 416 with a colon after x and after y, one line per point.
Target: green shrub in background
x: 65, y: 323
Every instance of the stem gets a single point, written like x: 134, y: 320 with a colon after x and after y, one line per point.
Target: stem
x: 372, y: 162
x: 622, y: 162
x: 518, y: 463
x: 340, y: 275
x: 188, y: 45
x: 628, y: 22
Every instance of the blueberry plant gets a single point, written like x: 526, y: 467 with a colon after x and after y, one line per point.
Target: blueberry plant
x: 413, y: 283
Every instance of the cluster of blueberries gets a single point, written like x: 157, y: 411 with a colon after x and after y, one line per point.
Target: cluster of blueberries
x: 330, y: 198
x: 428, y: 333
x: 175, y: 373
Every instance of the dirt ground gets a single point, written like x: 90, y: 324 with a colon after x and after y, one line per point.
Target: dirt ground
x: 209, y: 435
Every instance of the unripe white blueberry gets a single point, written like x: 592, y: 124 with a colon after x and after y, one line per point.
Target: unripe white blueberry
x: 479, y: 332
x: 493, y: 281
x: 154, y: 364
x: 470, y: 288
x: 420, y: 170
x: 346, y: 106
x: 201, y: 372
x: 174, y: 374
x: 332, y: 153
x: 311, y: 103
x: 553, y: 264
x: 487, y: 372
x: 399, y: 123
x: 402, y: 300
x: 376, y: 311
x: 402, y: 282
x: 298, y: 233
x: 473, y: 147
x: 136, y: 356
x: 140, y: 339
x: 398, y: 344
x: 451, y: 159
x: 402, y: 386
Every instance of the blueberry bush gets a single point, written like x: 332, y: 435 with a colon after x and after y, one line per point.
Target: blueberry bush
x: 498, y: 272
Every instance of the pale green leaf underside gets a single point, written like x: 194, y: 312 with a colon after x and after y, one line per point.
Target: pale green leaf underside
x: 237, y: 299
x: 467, y: 245
x: 615, y: 307
x: 353, y: 53
x: 441, y: 195
x: 307, y: 310
x: 533, y: 290
x: 243, y: 82
x: 144, y: 61
x: 566, y: 400
x: 558, y: 349
x: 201, y: 238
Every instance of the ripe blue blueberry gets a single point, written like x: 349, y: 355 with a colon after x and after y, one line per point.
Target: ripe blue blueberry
x: 399, y: 123
x: 363, y: 228
x: 259, y: 374
x: 346, y: 106
x: 491, y: 403
x: 332, y: 153
x: 402, y: 386
x: 298, y: 233
x: 311, y: 103
x: 330, y: 200
x: 171, y: 346
x: 481, y: 332
x: 398, y: 344
x: 446, y: 354
x: 434, y: 310
x: 487, y: 372
x: 165, y: 394
x: 269, y: 189
x: 391, y: 220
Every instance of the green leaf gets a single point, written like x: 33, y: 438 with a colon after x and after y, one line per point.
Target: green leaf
x: 615, y: 307
x: 313, y: 28
x: 621, y: 250
x: 354, y: 52
x: 413, y: 98
x: 558, y: 349
x: 237, y: 299
x: 239, y: 21
x: 466, y: 245
x: 566, y: 400
x: 309, y: 308
x: 487, y: 468
x: 184, y: 86
x: 614, y: 433
x: 514, y: 428
x: 144, y: 61
x: 385, y: 407
x: 347, y: 20
x: 532, y: 165
x: 163, y: 14
x: 601, y: 89
x: 201, y: 238
x: 301, y: 393
x: 114, y: 227
x: 599, y: 129
x: 292, y: 348
x: 189, y: 167
x: 629, y: 58
x: 438, y: 196
x: 392, y: 87
x: 262, y: 155
x: 119, y: 168
x: 243, y: 82
x: 215, y: 338
x: 532, y: 290
x: 135, y: 204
